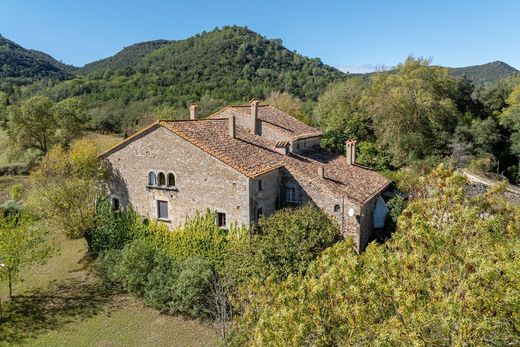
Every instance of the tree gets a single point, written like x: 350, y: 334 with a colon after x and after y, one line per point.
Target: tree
x: 511, y: 119
x: 65, y: 185
x: 71, y: 117
x: 283, y: 243
x: 339, y: 109
x: 412, y: 109
x: 21, y: 243
x: 448, y: 276
x: 288, y: 104
x: 32, y: 125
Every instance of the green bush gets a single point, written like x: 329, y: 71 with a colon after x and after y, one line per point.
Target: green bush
x: 283, y: 243
x: 136, y: 263
x: 199, y: 236
x: 106, y: 266
x: 111, y: 229
x: 161, y: 280
x: 396, y: 206
x: 192, y: 288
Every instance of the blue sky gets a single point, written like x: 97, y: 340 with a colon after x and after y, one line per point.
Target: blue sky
x: 353, y: 35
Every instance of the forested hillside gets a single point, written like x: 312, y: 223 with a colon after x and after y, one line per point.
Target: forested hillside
x: 162, y: 78
x: 19, y: 66
x: 485, y: 74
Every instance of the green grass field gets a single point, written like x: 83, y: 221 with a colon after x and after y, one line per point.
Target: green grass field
x: 61, y: 303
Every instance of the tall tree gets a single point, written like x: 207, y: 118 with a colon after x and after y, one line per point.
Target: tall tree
x: 71, y: 117
x: 32, y: 125
x: 20, y: 243
x: 412, y: 109
x: 339, y: 109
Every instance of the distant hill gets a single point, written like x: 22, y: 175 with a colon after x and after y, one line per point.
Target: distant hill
x: 231, y: 63
x: 18, y: 64
x: 486, y: 73
x: 129, y: 56
x: 227, y: 65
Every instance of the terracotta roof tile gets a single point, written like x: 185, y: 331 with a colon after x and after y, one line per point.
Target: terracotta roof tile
x: 277, y: 120
x: 253, y: 156
x: 247, y: 153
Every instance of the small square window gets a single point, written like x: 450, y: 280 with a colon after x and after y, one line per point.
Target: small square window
x: 259, y: 185
x: 221, y: 219
x: 336, y: 208
x: 290, y: 195
x: 162, y: 209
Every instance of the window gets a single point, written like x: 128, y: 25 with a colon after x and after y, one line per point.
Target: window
x: 290, y: 194
x: 171, y: 180
x: 297, y: 146
x: 221, y: 219
x: 161, y: 178
x: 115, y: 204
x: 336, y: 208
x: 162, y: 209
x: 152, y: 178
x: 259, y: 185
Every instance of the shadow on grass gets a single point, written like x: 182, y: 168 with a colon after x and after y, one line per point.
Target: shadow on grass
x: 60, y: 303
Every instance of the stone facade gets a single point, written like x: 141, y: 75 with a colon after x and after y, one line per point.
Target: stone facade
x: 224, y: 165
x: 201, y: 181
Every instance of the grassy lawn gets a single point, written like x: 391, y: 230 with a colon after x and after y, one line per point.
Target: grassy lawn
x: 61, y: 303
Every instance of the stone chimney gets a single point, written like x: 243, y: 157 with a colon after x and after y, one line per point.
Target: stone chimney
x: 193, y: 111
x: 350, y: 147
x: 321, y: 172
x: 232, y: 127
x: 254, y: 115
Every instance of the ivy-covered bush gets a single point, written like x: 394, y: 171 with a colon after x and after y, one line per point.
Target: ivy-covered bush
x: 113, y: 229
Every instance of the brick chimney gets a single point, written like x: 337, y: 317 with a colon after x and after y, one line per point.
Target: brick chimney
x: 193, y: 111
x: 321, y: 172
x: 232, y: 127
x: 254, y: 115
x: 350, y: 147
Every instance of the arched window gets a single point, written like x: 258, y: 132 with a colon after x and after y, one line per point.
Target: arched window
x: 152, y: 178
x: 161, y: 178
x: 171, y: 180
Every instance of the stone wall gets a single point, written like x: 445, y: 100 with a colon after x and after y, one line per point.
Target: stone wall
x: 268, y: 197
x: 202, y: 181
x: 336, y: 206
x: 303, y: 144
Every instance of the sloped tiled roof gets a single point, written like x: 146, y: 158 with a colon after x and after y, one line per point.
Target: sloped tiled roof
x: 247, y: 153
x: 352, y: 181
x: 276, y: 119
x: 253, y: 156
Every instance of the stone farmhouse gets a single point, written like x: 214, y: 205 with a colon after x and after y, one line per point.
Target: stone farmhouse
x: 243, y: 162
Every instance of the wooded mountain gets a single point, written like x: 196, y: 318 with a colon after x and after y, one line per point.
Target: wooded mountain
x: 486, y: 73
x: 20, y: 65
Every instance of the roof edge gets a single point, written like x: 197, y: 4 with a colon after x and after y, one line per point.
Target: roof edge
x: 128, y: 140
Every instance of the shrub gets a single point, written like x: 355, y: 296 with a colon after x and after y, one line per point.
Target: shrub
x: 111, y: 229
x: 16, y: 192
x: 161, y: 280
x: 137, y: 261
x: 200, y: 237
x: 191, y: 290
x: 105, y: 267
x: 284, y: 243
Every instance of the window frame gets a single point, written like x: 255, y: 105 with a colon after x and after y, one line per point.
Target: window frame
x: 158, y: 206
x: 260, y: 185
x: 159, y: 175
x: 221, y: 216
x: 288, y: 196
x: 154, y: 184
x: 168, y: 180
